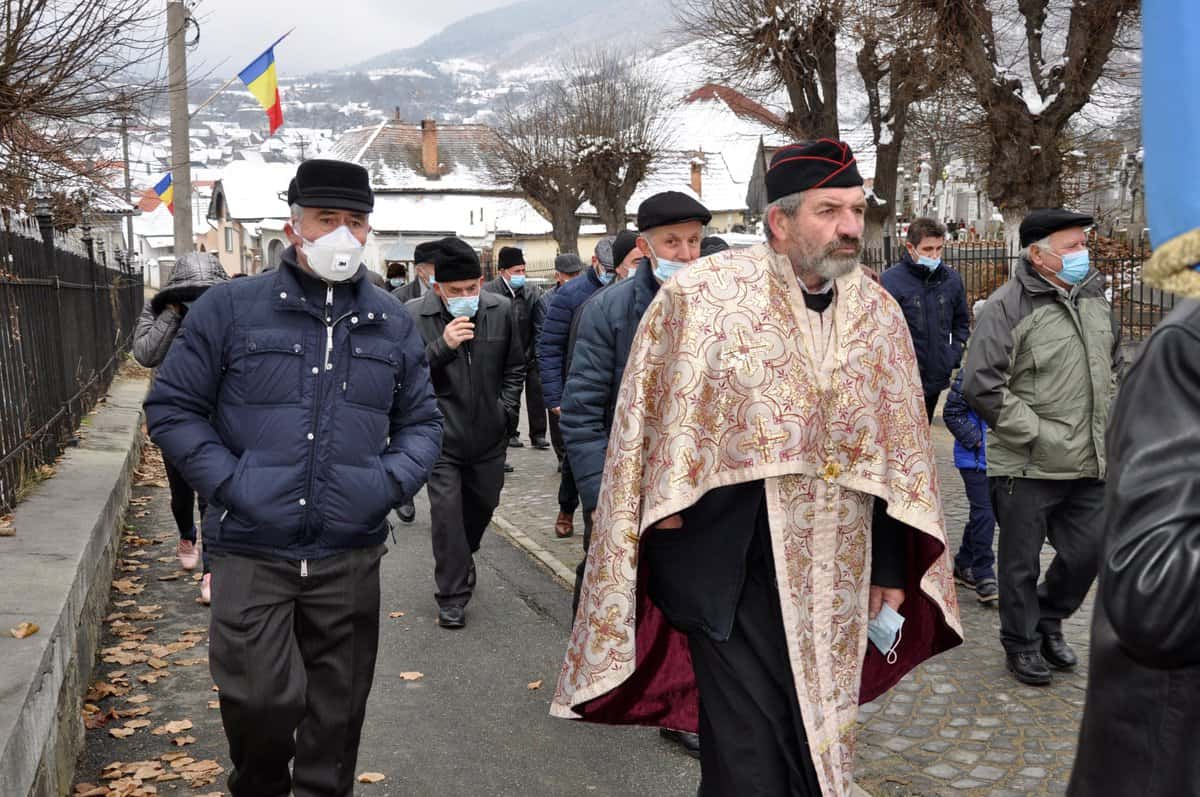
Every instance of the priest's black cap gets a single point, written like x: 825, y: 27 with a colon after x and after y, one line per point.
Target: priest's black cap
x: 454, y: 260
x: 510, y: 256
x: 339, y: 185
x: 1040, y: 223
x: 670, y: 207
x: 816, y: 164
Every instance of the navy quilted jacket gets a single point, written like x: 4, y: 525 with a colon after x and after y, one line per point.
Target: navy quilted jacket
x: 556, y: 329
x: 302, y: 433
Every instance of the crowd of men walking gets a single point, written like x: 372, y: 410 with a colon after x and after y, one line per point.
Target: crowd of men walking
x: 716, y: 414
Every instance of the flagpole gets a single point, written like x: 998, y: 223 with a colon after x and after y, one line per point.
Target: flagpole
x: 231, y: 80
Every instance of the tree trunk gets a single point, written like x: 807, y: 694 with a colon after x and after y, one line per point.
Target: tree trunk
x: 881, y: 219
x: 1013, y: 214
x: 566, y: 228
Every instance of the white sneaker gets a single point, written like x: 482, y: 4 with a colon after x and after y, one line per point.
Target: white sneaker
x: 206, y: 589
x: 188, y: 553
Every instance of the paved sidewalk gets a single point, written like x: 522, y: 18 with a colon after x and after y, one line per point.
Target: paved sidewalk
x: 960, y: 724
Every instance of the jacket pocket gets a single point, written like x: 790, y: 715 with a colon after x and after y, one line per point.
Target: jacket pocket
x: 371, y: 381
x: 274, y: 367
x: 267, y: 503
x: 357, y: 498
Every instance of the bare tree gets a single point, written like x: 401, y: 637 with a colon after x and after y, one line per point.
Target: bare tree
x: 899, y: 67
x: 620, y: 128
x: 763, y: 46
x: 1027, y: 95
x: 67, y: 71
x: 538, y: 154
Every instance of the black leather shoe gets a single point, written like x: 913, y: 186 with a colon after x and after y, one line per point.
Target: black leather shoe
x: 407, y: 512
x: 452, y: 617
x: 690, y: 742
x: 515, y: 442
x: 508, y: 468
x: 1057, y: 652
x: 1028, y: 667
x: 540, y: 445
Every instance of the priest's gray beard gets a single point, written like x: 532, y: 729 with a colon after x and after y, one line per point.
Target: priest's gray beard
x: 829, y: 263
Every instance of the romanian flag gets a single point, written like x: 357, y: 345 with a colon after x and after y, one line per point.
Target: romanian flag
x: 263, y: 83
x: 166, y: 192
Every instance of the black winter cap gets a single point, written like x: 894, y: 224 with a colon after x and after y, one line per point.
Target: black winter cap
x: 510, y: 256
x: 817, y: 164
x: 711, y: 245
x: 568, y: 264
x: 339, y: 185
x: 423, y: 253
x: 670, y: 207
x: 454, y: 260
x: 1040, y: 223
x: 625, y: 243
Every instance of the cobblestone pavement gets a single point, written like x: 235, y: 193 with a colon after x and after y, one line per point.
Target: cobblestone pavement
x: 958, y: 725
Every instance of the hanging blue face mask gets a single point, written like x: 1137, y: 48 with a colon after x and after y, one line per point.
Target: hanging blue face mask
x: 884, y: 632
x: 517, y: 281
x: 930, y: 263
x: 606, y: 277
x: 665, y: 269
x: 463, y: 306
x: 1075, y: 266
x: 395, y: 282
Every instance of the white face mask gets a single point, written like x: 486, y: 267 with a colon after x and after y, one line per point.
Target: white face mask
x: 335, y: 256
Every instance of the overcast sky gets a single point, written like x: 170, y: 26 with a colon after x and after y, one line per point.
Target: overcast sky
x: 329, y: 33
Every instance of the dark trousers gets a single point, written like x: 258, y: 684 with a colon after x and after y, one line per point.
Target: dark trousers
x: 975, y: 555
x: 752, y: 738
x: 1071, y: 514
x: 587, y: 541
x: 568, y: 493
x: 183, y: 502
x: 462, y: 499
x: 293, y: 656
x: 535, y: 405
x: 931, y: 401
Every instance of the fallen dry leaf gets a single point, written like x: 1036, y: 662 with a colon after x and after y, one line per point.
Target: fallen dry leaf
x: 137, y: 698
x: 371, y: 777
x: 121, y: 733
x: 214, y: 704
x: 176, y: 726
x: 157, y: 664
x: 88, y: 790
x: 153, y: 677
x: 534, y: 685
x: 135, y: 724
x: 394, y: 615
x: 180, y: 741
x: 24, y: 629
x: 411, y: 676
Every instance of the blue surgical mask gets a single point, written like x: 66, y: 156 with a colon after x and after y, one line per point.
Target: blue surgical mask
x: 463, y: 306
x: 665, y: 269
x: 395, y: 282
x: 930, y: 263
x: 884, y: 632
x: 517, y: 281
x: 1075, y: 266
x: 606, y: 277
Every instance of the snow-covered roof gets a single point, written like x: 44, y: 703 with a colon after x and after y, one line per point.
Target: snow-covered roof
x: 466, y: 215
x: 392, y: 152
x: 252, y: 190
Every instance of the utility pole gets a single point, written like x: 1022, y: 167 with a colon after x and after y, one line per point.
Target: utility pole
x: 181, y: 158
x: 128, y: 186
x: 302, y: 143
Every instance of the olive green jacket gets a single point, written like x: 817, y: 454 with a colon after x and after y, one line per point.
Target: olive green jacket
x: 1042, y: 369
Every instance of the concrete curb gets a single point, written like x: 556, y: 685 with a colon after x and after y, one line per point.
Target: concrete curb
x: 523, y: 541
x: 56, y: 572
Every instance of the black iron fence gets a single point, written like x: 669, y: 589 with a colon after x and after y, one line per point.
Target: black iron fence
x: 67, y: 321
x: 986, y: 265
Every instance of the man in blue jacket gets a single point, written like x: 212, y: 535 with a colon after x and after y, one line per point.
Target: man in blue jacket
x: 298, y: 402
x: 935, y: 306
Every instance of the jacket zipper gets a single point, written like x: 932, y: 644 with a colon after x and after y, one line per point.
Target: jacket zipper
x: 303, y: 568
x: 317, y: 389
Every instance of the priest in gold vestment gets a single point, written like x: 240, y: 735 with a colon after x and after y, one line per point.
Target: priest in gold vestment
x: 770, y: 501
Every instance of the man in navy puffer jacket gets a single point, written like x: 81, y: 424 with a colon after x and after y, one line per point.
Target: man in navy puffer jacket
x: 935, y: 306
x: 298, y: 402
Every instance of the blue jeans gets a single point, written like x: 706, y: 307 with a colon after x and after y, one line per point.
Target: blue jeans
x: 975, y: 555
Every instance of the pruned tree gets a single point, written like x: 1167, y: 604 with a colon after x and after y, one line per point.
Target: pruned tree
x: 620, y: 128
x: 767, y: 46
x: 68, y: 70
x: 1027, y: 93
x: 899, y: 68
x: 538, y: 155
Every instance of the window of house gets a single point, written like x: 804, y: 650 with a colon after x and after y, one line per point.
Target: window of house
x: 228, y: 239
